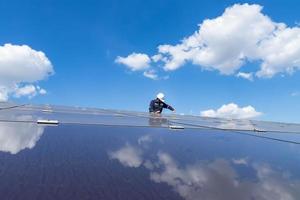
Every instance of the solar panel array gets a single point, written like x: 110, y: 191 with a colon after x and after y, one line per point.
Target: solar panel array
x: 79, y: 115
x: 59, y: 152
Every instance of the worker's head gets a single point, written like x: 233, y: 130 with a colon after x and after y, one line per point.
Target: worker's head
x: 161, y: 97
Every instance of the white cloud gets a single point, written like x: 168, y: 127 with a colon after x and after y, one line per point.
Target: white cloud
x: 156, y: 58
x: 241, y: 34
x: 3, y: 93
x: 27, y: 90
x: 42, y: 91
x: 151, y: 74
x: 223, y: 43
x: 248, y: 76
x: 135, y: 61
x: 233, y: 111
x: 280, y: 52
x: 19, y: 65
x: 128, y: 156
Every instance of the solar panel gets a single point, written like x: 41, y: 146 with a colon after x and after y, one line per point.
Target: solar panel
x: 79, y: 115
x: 112, y: 154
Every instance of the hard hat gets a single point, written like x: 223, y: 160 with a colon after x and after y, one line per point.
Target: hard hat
x: 161, y: 96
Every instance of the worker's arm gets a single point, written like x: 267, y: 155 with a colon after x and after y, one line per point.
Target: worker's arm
x: 168, y: 107
x: 151, y: 106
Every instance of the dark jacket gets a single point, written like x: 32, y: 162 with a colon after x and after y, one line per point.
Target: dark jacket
x: 157, y: 105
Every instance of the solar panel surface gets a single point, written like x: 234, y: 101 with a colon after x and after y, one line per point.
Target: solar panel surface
x: 108, y: 154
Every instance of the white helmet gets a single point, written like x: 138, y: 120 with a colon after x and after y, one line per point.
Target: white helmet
x: 161, y: 96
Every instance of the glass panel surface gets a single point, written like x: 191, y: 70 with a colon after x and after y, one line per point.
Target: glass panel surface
x: 77, y: 115
x: 77, y: 161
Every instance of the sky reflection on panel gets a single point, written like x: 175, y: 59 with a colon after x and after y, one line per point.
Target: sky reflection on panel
x: 15, y: 137
x: 145, y: 162
x: 211, y: 179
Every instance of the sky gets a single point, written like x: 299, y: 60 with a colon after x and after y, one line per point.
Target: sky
x: 237, y: 59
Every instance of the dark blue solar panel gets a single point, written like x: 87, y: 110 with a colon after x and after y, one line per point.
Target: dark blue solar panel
x: 105, y: 154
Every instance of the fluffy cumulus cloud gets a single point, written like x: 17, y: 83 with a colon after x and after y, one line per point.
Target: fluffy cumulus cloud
x: 242, y: 34
x: 29, y: 90
x: 248, y: 76
x: 232, y: 111
x: 151, y: 74
x: 21, y: 67
x: 135, y: 61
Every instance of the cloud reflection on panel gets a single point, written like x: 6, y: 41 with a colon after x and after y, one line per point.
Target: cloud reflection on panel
x: 15, y: 137
x: 128, y: 155
x: 217, y: 179
x: 235, y: 124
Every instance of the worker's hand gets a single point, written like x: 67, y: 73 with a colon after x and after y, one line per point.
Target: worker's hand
x: 174, y: 111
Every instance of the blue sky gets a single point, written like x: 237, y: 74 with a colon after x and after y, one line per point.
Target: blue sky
x: 82, y: 39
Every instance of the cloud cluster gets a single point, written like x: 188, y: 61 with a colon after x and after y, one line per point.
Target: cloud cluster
x: 135, y: 61
x: 21, y: 67
x: 248, y: 76
x: 29, y: 90
x: 240, y: 35
x: 232, y: 111
x: 151, y: 74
